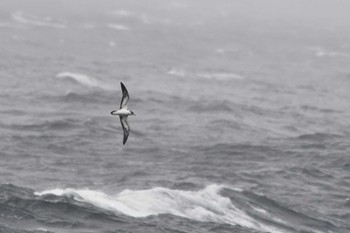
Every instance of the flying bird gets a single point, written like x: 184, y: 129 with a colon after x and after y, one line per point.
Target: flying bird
x: 124, y: 112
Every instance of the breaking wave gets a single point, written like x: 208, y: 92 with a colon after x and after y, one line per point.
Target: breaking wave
x: 84, y: 80
x: 82, y: 208
x: 177, y: 72
x: 205, y: 205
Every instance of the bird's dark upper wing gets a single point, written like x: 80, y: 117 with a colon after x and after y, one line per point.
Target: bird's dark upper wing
x: 126, y: 127
x: 125, y: 97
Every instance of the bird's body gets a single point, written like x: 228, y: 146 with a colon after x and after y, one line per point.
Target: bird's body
x: 123, y: 113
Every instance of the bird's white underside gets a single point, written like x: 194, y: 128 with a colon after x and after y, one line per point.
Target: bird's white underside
x: 122, y: 112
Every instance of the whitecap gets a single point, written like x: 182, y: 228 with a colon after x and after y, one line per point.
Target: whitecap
x: 177, y: 72
x: 219, y: 76
x: 83, y: 80
x: 118, y: 27
x: 320, y: 52
x: 206, y: 205
x: 212, y: 76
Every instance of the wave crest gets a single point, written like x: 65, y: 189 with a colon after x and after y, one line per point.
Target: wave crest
x: 318, y: 137
x: 206, y: 205
x: 62, y: 124
x: 84, y: 80
x: 220, y: 204
x: 216, y: 76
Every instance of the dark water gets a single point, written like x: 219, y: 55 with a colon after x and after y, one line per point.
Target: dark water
x: 242, y: 117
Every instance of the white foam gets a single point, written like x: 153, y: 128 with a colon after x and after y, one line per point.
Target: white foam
x: 320, y: 52
x: 205, y: 205
x: 118, y: 27
x: 219, y: 76
x: 214, y: 76
x: 177, y: 72
x: 36, y: 21
x: 84, y: 80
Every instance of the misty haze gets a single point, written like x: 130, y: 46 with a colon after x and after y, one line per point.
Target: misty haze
x: 242, y: 116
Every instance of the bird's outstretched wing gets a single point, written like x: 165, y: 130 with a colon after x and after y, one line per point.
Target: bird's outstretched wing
x: 126, y: 127
x: 125, y: 97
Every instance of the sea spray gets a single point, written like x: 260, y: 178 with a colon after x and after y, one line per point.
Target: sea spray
x: 206, y: 205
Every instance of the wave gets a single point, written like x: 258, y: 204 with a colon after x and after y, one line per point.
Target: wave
x: 240, y: 151
x: 63, y: 124
x: 206, y: 205
x: 219, y: 76
x: 177, y: 72
x: 332, y: 54
x: 286, y: 219
x: 210, y: 106
x: 82, y: 208
x: 118, y: 27
x: 318, y: 137
x: 84, y: 80
x: 36, y: 21
x: 318, y: 109
x: 320, y: 52
x: 90, y: 97
x: 22, y: 211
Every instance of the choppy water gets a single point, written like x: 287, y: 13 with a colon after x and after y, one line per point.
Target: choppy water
x: 242, y: 120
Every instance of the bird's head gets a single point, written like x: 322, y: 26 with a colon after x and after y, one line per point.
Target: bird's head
x: 132, y: 113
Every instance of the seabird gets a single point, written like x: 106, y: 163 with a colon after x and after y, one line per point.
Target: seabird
x: 124, y: 112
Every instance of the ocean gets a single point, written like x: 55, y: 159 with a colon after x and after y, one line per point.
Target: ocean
x: 242, y: 116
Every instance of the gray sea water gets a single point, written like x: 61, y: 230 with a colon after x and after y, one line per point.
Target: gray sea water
x: 242, y: 116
